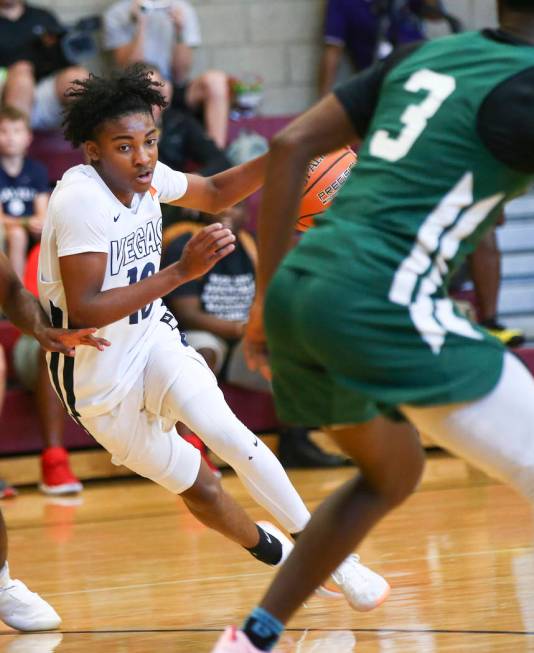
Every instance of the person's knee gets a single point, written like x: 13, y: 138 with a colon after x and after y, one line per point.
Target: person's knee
x: 204, y: 494
x: 409, y: 477
x: 388, y: 454
x: 16, y: 237
x: 66, y: 77
x: 20, y: 69
x: 215, y: 84
x: 396, y: 483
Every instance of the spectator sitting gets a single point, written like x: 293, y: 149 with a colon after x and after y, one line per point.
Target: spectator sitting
x: 23, y: 188
x: 369, y: 29
x: 484, y: 268
x: 32, y: 370
x: 38, y: 73
x: 164, y: 33
x: 213, y: 310
x: 183, y: 140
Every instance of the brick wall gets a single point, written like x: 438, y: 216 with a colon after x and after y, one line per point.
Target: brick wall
x: 277, y: 39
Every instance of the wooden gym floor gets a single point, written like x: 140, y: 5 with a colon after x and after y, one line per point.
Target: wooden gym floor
x: 130, y: 571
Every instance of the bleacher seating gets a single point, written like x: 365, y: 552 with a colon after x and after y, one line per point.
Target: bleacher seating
x: 54, y: 152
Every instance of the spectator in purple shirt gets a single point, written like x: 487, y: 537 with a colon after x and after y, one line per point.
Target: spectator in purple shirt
x: 369, y: 29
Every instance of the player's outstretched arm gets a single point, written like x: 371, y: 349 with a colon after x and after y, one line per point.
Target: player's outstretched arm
x: 321, y: 129
x: 83, y: 276
x: 218, y: 192
x: 26, y: 313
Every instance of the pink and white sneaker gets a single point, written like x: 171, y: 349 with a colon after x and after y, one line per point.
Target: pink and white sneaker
x: 234, y: 641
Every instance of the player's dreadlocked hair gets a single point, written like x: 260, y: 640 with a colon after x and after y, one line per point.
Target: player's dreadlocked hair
x: 94, y: 100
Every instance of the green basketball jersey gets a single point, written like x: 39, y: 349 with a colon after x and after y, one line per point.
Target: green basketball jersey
x: 424, y: 180
x: 426, y: 187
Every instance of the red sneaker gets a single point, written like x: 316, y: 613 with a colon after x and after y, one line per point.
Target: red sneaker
x: 198, y: 444
x: 57, y: 477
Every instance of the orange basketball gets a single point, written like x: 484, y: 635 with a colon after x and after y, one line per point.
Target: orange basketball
x: 326, y: 176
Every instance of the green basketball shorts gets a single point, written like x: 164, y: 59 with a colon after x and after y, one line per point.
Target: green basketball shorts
x: 341, y: 354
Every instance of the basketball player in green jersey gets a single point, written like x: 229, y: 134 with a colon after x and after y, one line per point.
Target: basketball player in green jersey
x: 360, y: 331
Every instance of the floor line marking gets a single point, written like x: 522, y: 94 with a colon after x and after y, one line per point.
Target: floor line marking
x: 400, y: 631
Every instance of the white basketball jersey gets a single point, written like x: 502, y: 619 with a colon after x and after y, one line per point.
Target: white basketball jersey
x: 85, y: 216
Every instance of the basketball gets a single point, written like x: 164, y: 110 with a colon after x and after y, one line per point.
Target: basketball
x: 326, y: 176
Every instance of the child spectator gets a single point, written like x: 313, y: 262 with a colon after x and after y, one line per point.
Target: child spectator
x: 23, y: 188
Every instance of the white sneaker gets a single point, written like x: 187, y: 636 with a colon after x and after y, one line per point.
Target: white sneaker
x: 25, y: 610
x: 287, y: 544
x: 363, y: 589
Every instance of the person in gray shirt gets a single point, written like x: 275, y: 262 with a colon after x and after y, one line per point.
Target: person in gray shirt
x: 165, y: 33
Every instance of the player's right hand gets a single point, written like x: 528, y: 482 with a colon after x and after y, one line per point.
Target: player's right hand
x: 205, y: 248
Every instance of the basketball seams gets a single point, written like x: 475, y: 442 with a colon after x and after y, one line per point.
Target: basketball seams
x: 326, y: 175
x: 348, y: 152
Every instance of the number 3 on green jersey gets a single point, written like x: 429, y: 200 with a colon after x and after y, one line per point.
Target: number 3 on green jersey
x: 416, y: 116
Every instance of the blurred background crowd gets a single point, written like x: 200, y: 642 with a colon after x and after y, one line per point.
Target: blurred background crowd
x: 232, y: 73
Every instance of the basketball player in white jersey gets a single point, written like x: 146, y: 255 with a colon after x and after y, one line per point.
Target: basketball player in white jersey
x: 99, y: 265
x: 20, y: 608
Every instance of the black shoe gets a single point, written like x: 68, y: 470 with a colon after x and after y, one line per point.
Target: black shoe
x: 296, y: 449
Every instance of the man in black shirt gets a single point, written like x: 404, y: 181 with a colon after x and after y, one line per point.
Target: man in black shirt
x: 38, y: 73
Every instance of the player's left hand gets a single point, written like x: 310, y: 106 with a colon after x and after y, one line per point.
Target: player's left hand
x: 255, y: 342
x: 65, y: 340
x: 203, y: 251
